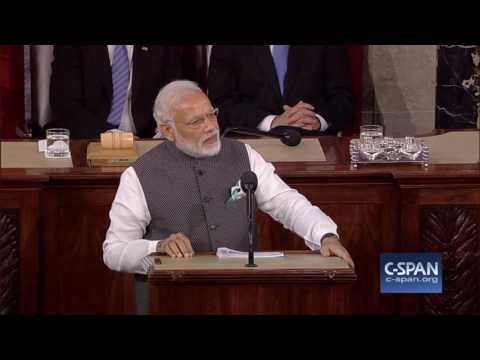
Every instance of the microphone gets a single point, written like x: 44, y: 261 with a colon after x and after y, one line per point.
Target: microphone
x: 249, y: 182
x: 290, y: 137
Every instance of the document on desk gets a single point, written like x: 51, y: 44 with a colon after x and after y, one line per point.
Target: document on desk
x: 26, y: 155
x: 309, y: 150
x: 226, y: 253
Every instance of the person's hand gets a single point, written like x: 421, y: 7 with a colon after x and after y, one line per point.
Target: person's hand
x: 331, y: 246
x: 301, y: 115
x: 176, y: 245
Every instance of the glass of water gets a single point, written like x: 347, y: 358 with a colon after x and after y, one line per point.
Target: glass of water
x: 58, y: 143
x: 412, y: 148
x: 374, y: 132
x: 370, y: 149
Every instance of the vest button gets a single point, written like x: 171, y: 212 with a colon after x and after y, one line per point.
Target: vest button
x: 200, y: 172
x: 214, y: 227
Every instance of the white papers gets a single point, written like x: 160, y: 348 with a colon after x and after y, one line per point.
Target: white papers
x: 42, y: 145
x: 226, y: 253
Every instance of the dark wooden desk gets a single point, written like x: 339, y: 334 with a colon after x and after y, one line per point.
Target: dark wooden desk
x: 60, y: 218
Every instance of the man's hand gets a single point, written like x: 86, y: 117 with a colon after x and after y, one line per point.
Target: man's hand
x: 176, y: 245
x: 331, y: 246
x: 301, y: 115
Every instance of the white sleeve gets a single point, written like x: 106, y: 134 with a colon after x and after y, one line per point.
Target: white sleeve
x: 124, y: 248
x: 266, y: 123
x: 323, y: 122
x: 287, y: 205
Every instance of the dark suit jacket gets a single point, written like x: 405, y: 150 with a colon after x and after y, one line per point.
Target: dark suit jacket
x: 243, y: 84
x: 81, y: 87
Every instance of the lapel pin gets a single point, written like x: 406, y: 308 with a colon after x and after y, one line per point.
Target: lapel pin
x: 236, y: 193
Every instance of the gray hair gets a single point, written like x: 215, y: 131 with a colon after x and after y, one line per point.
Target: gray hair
x: 169, y: 97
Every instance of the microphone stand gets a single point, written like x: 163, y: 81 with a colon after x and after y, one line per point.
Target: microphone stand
x: 252, y: 233
x: 288, y: 136
x: 244, y: 131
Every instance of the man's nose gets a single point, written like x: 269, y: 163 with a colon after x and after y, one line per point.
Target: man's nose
x: 211, y: 125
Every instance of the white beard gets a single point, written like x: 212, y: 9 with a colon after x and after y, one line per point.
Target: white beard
x: 198, y: 150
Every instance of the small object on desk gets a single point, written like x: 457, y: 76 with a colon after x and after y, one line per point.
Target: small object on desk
x: 97, y: 155
x: 116, y: 139
x: 226, y: 253
x: 388, y: 150
x: 57, y: 143
x: 370, y: 132
x: 42, y: 148
x: 117, y: 148
x: 42, y: 145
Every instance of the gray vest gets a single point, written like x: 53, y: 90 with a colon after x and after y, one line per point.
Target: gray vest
x: 189, y: 195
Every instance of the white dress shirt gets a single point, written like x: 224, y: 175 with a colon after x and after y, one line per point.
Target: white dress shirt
x: 124, y: 248
x: 126, y: 122
x: 266, y: 123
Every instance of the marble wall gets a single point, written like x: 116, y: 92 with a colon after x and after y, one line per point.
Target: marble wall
x: 458, y: 92
x: 400, y: 88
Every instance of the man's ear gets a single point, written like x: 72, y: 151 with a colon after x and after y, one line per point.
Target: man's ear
x: 167, y: 131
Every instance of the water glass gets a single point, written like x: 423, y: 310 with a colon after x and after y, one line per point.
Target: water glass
x: 370, y: 149
x: 374, y: 132
x: 58, y: 143
x: 412, y: 148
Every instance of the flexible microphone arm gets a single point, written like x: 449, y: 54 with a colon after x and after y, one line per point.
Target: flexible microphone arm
x: 249, y: 182
x: 289, y: 137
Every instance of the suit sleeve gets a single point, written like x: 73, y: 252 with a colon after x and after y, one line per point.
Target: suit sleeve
x: 235, y: 109
x: 66, y: 94
x: 336, y: 107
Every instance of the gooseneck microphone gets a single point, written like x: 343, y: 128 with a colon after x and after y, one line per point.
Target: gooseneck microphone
x: 249, y: 182
x: 290, y: 137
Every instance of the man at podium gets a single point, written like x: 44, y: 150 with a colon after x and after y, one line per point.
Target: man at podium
x: 180, y: 197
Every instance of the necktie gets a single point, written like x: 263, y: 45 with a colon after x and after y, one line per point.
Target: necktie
x: 120, y: 81
x: 280, y: 58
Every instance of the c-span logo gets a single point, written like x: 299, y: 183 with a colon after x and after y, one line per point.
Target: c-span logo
x: 414, y: 273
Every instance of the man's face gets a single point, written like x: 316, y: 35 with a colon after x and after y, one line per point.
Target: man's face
x: 196, y: 131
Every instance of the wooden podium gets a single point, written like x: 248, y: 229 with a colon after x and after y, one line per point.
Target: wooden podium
x: 59, y: 218
x: 301, y: 282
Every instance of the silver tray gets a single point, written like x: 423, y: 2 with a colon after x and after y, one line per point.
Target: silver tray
x: 357, y: 156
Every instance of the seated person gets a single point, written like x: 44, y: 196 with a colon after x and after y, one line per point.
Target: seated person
x: 95, y: 88
x: 174, y: 199
x: 270, y: 87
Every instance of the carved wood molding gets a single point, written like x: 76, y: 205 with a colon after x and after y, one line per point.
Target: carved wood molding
x: 9, y: 262
x: 292, y: 276
x: 453, y: 231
